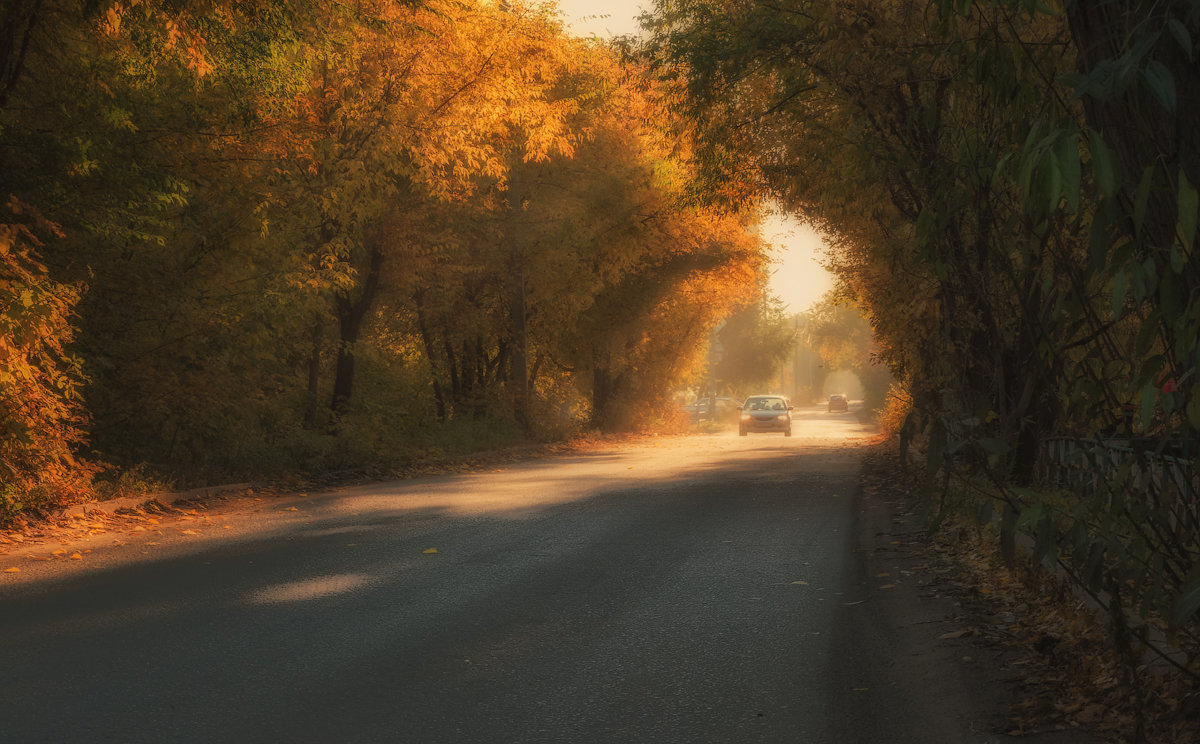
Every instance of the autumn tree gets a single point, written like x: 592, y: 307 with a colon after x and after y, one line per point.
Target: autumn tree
x: 1010, y: 187
x: 755, y: 342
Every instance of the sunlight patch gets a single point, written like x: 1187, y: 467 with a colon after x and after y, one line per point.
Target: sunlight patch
x: 315, y: 588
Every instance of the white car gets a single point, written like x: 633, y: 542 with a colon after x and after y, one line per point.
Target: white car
x: 763, y: 413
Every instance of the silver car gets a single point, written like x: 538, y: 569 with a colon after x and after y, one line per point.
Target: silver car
x: 765, y: 413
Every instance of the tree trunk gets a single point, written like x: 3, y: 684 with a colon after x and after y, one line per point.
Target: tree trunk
x: 439, y: 396
x: 350, y: 314
x: 314, y: 374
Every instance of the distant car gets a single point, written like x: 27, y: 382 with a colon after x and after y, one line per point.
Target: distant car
x: 838, y: 403
x: 762, y: 413
x: 704, y: 408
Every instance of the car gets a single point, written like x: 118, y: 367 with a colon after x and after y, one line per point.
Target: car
x: 763, y: 413
x: 838, y: 402
x: 704, y: 408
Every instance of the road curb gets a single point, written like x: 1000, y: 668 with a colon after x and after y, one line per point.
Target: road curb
x: 112, y: 506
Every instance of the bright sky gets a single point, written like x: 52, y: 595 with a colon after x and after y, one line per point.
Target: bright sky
x: 603, y: 17
x: 798, y: 278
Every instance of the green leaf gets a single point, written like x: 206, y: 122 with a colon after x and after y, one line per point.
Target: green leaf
x: 1182, y: 36
x: 1099, y: 238
x: 1067, y: 155
x: 1142, y: 199
x: 1170, y: 294
x: 1176, y: 260
x: 1161, y: 83
x: 1189, y: 206
x: 1149, y: 395
x: 1104, y: 165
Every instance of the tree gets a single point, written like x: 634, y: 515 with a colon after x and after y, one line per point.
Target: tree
x: 755, y: 341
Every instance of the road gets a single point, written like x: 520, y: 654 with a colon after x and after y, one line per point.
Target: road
x: 696, y: 589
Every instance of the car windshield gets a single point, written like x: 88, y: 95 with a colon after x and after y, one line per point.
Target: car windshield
x: 764, y: 404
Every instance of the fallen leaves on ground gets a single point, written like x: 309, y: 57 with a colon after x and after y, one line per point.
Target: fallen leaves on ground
x: 1067, y: 677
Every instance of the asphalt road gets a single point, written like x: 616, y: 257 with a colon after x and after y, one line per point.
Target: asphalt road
x: 699, y: 589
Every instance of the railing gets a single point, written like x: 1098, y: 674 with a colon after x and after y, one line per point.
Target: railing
x: 1167, y: 482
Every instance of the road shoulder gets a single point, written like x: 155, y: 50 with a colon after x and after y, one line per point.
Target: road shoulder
x: 952, y: 676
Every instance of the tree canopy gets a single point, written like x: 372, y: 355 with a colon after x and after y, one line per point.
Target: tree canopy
x: 245, y: 238
x: 1011, y: 191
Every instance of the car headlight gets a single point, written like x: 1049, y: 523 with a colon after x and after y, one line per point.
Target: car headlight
x: 745, y: 417
x: 782, y: 417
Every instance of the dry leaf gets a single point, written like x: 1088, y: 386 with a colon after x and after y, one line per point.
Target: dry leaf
x: 60, y: 551
x: 14, y: 569
x: 291, y: 508
x: 428, y: 551
x: 76, y: 557
x: 189, y: 532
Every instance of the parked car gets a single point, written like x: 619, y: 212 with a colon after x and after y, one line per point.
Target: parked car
x: 838, y: 402
x: 705, y: 408
x: 762, y: 413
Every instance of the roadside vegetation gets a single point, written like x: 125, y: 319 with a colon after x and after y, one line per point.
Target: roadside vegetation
x: 244, y: 239
x: 1010, y: 188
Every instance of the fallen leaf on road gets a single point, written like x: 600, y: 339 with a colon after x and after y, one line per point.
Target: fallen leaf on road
x: 76, y: 557
x: 188, y: 532
x: 800, y: 583
x: 291, y: 508
x: 14, y: 569
x: 883, y: 575
x: 60, y: 551
x: 428, y: 551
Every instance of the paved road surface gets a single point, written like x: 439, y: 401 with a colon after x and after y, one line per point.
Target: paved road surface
x: 703, y: 589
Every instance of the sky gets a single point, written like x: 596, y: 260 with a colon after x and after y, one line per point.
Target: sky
x: 797, y: 278
x: 603, y: 17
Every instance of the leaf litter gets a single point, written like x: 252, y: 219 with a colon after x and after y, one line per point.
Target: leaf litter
x: 1066, y: 677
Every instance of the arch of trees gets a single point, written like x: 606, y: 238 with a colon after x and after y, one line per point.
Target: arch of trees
x: 1011, y: 187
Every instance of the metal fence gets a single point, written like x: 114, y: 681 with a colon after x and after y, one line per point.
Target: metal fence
x: 1164, y: 481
